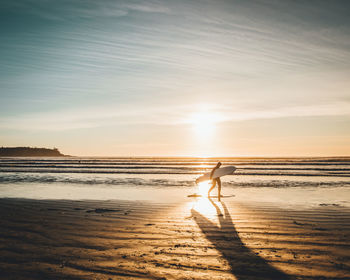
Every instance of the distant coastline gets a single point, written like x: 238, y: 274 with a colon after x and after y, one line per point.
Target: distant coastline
x: 29, y: 152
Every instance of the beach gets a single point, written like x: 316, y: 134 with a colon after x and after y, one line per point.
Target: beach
x: 72, y: 230
x: 48, y: 239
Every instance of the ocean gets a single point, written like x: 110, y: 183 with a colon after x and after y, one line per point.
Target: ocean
x: 102, y: 177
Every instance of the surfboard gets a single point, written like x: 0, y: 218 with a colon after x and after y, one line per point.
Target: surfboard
x: 212, y: 196
x: 227, y: 170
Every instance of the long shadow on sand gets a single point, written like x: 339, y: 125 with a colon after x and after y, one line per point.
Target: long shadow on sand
x: 244, y: 263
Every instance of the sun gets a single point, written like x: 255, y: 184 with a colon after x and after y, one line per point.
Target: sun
x: 204, y: 123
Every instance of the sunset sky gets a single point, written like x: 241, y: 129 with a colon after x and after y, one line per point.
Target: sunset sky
x: 176, y: 78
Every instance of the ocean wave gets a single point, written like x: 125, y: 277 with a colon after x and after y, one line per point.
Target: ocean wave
x: 32, y: 178
x: 330, y: 167
x: 177, y: 161
x: 156, y: 167
x: 163, y: 183
x: 241, y: 172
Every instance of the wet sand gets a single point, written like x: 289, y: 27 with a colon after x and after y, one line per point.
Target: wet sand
x: 195, y: 239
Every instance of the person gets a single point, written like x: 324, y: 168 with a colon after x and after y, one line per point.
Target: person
x: 215, y: 181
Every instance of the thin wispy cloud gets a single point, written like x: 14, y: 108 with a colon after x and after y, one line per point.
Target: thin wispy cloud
x: 257, y: 59
x: 165, y: 116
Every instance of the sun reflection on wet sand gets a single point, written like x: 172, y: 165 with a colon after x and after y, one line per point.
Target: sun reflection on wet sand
x: 204, y: 206
x: 203, y: 188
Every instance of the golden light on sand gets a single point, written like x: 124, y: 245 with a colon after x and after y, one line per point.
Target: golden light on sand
x: 204, y: 207
x: 203, y: 188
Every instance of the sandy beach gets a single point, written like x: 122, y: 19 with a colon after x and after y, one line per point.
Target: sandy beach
x: 195, y: 239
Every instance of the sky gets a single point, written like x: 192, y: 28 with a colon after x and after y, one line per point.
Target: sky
x: 176, y: 78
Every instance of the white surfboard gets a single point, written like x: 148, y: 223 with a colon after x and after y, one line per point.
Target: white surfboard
x: 227, y: 170
x: 213, y: 196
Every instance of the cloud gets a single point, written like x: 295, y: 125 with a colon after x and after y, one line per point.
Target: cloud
x: 321, y: 110
x: 167, y: 51
x: 165, y: 116
x: 75, y: 9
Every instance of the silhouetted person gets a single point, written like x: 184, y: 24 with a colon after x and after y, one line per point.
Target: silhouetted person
x: 216, y: 180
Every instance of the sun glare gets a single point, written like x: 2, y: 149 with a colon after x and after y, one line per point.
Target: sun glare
x: 204, y: 123
x: 203, y: 188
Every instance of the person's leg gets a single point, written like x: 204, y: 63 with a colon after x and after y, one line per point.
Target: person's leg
x: 212, y: 187
x: 219, y: 187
